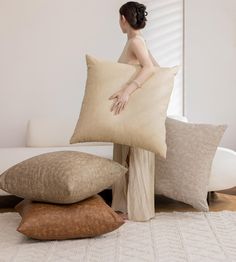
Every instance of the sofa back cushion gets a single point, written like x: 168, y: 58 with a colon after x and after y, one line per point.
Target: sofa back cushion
x: 52, y: 131
x: 56, y: 131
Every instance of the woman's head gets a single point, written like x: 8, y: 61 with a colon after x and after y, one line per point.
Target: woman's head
x: 134, y: 14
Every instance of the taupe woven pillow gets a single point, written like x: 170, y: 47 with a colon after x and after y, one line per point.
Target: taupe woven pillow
x: 61, y: 176
x: 141, y: 123
x: 88, y: 218
x: 184, y: 174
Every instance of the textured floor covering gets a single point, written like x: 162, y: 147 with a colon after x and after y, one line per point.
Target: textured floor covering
x: 177, y: 236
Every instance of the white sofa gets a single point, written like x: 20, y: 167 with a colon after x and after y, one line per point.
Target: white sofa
x: 53, y: 134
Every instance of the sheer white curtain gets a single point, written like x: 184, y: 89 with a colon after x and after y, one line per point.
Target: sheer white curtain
x: 164, y: 36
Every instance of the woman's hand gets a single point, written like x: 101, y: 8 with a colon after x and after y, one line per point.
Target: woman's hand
x: 121, y: 98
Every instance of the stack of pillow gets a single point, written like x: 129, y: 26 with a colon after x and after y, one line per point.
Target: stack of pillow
x: 66, y: 183
x: 60, y: 191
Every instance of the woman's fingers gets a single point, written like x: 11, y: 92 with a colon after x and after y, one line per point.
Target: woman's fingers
x: 117, y: 108
x: 121, y: 107
x: 114, y: 105
x: 124, y: 105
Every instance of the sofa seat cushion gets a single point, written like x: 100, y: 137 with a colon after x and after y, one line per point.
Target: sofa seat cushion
x: 223, y: 173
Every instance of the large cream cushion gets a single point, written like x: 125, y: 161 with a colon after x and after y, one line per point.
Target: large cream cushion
x: 141, y: 123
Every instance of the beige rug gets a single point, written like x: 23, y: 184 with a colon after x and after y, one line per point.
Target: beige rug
x: 177, y: 236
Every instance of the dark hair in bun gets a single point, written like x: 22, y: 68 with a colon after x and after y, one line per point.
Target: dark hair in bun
x: 135, y: 13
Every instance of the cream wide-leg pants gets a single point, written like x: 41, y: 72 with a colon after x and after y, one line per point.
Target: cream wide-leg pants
x: 134, y: 192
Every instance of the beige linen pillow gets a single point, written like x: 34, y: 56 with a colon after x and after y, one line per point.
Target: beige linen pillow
x: 184, y: 174
x: 141, y: 123
x: 61, y: 176
x: 88, y: 218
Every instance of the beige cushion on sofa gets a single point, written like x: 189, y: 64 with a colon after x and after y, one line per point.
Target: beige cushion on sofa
x: 141, y: 123
x: 61, y: 176
x: 184, y: 174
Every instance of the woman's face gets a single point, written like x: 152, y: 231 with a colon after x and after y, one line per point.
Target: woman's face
x: 122, y: 22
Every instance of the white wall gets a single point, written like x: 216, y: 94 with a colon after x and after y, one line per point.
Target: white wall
x: 42, y: 49
x: 210, y: 64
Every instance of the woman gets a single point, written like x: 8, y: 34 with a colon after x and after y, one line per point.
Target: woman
x: 133, y: 194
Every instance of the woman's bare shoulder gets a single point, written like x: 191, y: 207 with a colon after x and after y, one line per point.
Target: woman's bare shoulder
x: 137, y: 42
x: 137, y: 38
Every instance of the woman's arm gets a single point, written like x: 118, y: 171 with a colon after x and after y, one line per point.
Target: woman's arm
x: 140, y: 51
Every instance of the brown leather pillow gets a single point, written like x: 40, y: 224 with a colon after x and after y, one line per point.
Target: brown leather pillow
x: 88, y: 218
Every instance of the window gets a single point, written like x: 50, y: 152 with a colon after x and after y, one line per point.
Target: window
x: 164, y: 37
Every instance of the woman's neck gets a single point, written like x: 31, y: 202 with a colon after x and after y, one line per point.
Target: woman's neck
x: 132, y: 34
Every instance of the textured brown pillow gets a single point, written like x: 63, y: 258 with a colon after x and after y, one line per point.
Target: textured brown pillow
x: 61, y: 177
x: 184, y: 174
x: 88, y: 218
x: 142, y: 123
